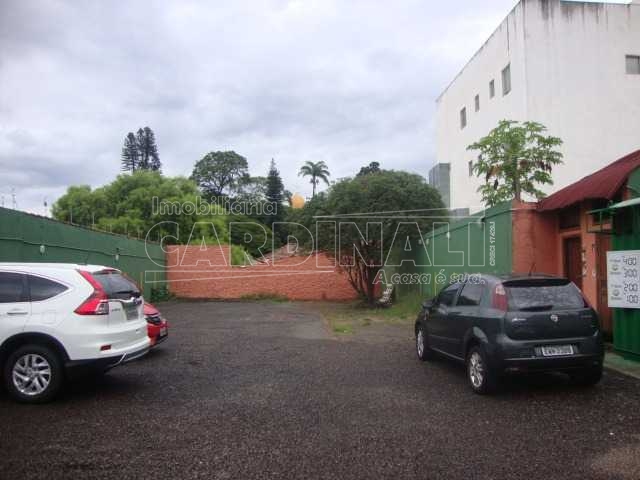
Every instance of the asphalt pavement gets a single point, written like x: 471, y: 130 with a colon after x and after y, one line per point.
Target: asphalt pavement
x: 262, y: 390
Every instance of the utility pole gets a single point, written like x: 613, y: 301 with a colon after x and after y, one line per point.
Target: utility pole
x: 13, y: 197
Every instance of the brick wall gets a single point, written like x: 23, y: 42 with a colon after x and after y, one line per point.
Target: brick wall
x: 193, y: 272
x: 534, y: 238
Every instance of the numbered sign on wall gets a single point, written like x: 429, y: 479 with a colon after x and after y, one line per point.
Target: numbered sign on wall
x: 623, y: 279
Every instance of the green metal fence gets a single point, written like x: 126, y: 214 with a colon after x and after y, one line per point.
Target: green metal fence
x: 480, y: 243
x: 30, y: 238
x: 626, y: 321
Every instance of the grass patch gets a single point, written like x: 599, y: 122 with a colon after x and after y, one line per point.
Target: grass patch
x: 365, y: 322
x: 342, y: 329
x: 161, y: 294
x: 347, y: 318
x: 270, y: 297
x: 405, y: 311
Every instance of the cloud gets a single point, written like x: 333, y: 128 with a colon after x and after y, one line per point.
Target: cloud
x: 347, y: 82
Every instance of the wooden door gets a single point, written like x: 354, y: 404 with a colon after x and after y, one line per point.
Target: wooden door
x: 573, y: 260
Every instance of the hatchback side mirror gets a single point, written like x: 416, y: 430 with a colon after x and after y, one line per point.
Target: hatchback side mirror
x: 428, y: 304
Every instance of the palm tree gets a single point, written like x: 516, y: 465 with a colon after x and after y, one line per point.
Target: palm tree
x: 317, y: 171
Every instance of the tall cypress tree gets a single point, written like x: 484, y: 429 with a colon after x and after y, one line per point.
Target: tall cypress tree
x: 140, y: 151
x: 274, y: 194
x: 130, y: 156
x: 152, y: 157
x: 143, y: 157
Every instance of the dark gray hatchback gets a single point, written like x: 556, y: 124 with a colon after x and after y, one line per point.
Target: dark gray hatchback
x: 515, y: 323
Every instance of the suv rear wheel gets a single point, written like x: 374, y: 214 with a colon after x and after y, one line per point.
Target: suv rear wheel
x: 481, y: 376
x: 33, y: 374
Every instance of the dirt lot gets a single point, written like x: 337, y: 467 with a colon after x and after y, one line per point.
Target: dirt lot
x: 271, y: 390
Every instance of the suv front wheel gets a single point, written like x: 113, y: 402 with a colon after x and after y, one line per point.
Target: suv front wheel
x: 481, y: 376
x: 33, y: 374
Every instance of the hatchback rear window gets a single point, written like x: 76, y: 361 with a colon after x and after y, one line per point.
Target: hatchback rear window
x: 116, y: 285
x: 544, y: 297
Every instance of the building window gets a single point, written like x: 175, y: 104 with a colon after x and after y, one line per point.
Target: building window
x: 506, y: 79
x: 492, y: 89
x: 569, y: 217
x: 463, y: 117
x: 477, y: 103
x: 633, y: 64
x: 471, y: 168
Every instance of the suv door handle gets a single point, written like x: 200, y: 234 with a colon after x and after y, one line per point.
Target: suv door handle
x: 17, y: 312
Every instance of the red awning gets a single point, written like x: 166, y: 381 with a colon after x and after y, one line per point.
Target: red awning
x: 604, y: 183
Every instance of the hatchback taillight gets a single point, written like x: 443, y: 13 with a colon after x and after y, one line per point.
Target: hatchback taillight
x: 97, y: 303
x: 499, y: 299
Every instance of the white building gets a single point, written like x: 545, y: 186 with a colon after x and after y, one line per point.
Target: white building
x: 572, y: 66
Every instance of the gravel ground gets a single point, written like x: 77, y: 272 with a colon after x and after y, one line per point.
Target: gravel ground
x: 261, y: 390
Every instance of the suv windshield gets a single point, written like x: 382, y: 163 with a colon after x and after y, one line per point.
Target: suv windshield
x: 544, y: 297
x: 116, y: 285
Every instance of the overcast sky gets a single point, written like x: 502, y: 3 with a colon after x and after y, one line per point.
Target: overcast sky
x: 347, y: 82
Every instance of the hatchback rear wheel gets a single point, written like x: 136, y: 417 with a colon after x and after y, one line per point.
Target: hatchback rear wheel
x: 33, y: 374
x: 587, y: 377
x: 480, y: 375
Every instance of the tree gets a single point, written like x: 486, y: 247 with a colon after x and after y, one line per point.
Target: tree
x: 252, y: 189
x: 515, y: 158
x: 288, y: 195
x: 373, y: 167
x: 79, y: 205
x: 274, y: 194
x: 136, y: 204
x: 350, y: 200
x: 130, y: 157
x: 148, y: 150
x: 259, y: 235
x: 125, y: 205
x: 317, y: 171
x: 220, y: 173
x: 303, y: 219
x: 140, y: 151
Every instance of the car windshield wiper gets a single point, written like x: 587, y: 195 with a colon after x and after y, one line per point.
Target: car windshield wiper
x: 132, y: 293
x: 534, y: 308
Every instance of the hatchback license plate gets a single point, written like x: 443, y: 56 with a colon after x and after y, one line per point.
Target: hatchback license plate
x: 163, y: 331
x: 557, y: 350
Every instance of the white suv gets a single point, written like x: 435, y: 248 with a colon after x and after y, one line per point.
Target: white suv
x: 61, y: 320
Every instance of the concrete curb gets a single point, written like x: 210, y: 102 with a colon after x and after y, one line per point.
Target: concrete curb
x: 616, y: 362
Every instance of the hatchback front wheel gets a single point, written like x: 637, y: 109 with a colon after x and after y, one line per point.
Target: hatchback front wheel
x: 423, y: 350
